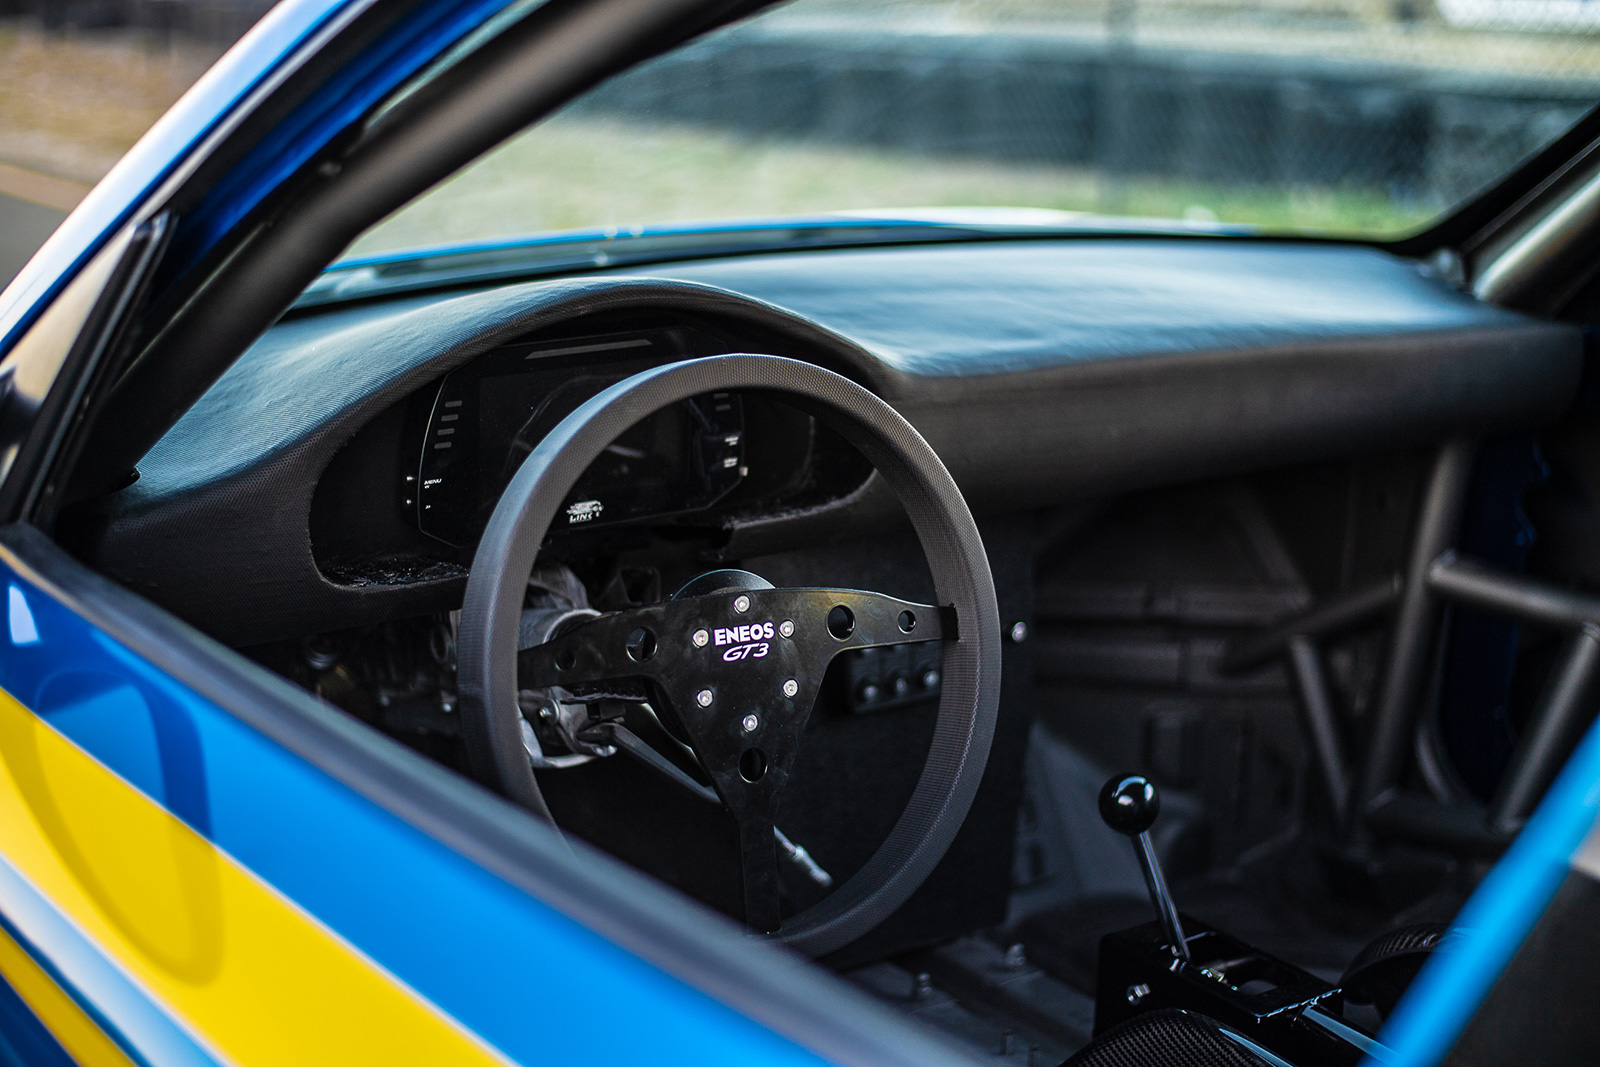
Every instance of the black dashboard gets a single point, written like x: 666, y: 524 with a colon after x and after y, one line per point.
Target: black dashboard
x: 436, y: 464
x: 341, y: 470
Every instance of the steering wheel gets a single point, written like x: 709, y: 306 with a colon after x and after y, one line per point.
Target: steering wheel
x: 739, y: 668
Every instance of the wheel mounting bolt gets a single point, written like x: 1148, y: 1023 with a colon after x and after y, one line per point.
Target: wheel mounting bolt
x: 701, y: 637
x: 703, y: 698
x: 741, y: 604
x: 786, y: 627
x: 750, y: 722
x: 791, y: 687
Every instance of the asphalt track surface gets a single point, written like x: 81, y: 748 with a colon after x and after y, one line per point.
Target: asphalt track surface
x: 24, y: 226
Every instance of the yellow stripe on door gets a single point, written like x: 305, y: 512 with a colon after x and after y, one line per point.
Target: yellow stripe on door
x: 250, y: 974
x: 80, y: 1035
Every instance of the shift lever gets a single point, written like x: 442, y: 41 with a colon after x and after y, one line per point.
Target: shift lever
x: 1129, y: 805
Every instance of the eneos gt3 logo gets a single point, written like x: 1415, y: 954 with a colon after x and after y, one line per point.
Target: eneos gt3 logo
x: 748, y: 642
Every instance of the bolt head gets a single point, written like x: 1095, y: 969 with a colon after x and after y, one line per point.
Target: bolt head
x: 786, y: 627
x: 791, y: 687
x: 700, y: 638
x: 703, y: 698
x: 750, y: 722
x: 741, y: 603
x: 1019, y: 632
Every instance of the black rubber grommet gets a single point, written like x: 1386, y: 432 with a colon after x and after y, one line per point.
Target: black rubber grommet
x: 970, y: 696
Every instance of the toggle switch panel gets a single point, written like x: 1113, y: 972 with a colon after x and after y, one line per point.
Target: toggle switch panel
x: 877, y: 679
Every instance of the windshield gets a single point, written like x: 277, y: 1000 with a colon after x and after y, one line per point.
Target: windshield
x: 1364, y: 118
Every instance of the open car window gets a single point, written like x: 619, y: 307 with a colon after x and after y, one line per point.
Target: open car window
x: 1343, y: 117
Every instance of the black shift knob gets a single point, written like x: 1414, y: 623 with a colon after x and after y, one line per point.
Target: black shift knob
x: 1129, y: 804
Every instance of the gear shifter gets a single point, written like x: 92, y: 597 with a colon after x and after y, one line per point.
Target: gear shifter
x: 1286, y: 1010
x: 1129, y: 805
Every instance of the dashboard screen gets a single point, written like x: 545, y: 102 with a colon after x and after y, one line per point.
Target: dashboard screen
x: 489, y: 415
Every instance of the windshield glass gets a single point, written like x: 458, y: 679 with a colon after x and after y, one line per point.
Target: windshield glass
x: 1360, y: 118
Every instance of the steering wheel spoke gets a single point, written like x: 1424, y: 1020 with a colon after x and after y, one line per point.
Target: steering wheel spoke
x: 598, y: 653
x: 758, y: 859
x: 728, y: 637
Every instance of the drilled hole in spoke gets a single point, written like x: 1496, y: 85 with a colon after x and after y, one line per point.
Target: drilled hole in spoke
x: 908, y: 621
x: 641, y: 645
x: 566, y: 659
x: 753, y: 765
x: 841, y: 622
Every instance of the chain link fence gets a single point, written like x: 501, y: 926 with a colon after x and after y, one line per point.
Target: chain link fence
x: 1354, y: 116
x: 1396, y: 105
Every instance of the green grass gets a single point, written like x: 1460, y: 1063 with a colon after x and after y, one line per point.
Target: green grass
x: 580, y: 173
